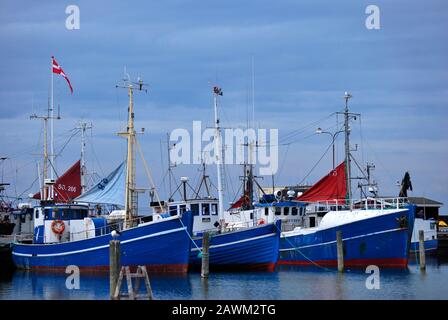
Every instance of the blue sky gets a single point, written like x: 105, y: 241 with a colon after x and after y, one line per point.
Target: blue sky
x: 306, y: 54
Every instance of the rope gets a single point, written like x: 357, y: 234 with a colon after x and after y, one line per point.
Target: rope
x: 189, y: 236
x: 298, y: 250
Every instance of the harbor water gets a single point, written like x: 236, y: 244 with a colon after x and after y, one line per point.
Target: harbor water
x: 286, y: 283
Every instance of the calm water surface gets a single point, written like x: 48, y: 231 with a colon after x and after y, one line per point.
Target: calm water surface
x: 285, y: 283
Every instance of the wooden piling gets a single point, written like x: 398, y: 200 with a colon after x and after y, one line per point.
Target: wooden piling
x: 205, y: 255
x: 340, y: 251
x: 421, y: 249
x: 114, y: 266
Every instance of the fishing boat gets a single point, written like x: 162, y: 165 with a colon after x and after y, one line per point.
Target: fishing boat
x: 66, y: 234
x: 250, y: 246
x: 375, y: 231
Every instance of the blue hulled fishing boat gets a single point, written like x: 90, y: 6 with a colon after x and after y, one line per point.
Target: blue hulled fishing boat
x: 68, y: 234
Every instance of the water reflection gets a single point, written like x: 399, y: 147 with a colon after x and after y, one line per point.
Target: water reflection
x: 288, y: 282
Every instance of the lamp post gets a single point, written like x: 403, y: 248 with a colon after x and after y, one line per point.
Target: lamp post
x: 333, y: 137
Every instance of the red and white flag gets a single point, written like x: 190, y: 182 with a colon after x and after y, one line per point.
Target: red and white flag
x: 57, y: 69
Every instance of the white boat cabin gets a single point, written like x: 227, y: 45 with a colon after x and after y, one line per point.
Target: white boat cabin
x: 204, y: 211
x: 55, y: 223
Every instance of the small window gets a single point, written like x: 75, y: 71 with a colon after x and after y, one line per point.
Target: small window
x: 266, y: 211
x: 37, y: 213
x: 214, y: 208
x: 195, y: 209
x: 251, y: 215
x: 286, y: 211
x: 312, y: 222
x: 183, y: 208
x: 205, y: 209
x: 294, y: 211
x: 47, y: 214
x: 278, y: 211
x: 173, y: 210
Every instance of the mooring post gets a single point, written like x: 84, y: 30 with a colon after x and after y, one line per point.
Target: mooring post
x: 205, y: 254
x: 340, y: 251
x: 421, y: 249
x: 114, y: 266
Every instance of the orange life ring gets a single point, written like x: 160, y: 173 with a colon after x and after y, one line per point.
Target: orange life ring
x: 261, y: 221
x: 58, y: 226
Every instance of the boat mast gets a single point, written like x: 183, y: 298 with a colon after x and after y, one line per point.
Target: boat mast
x: 83, y: 126
x: 347, y: 96
x: 217, y: 92
x: 44, y: 194
x: 52, y: 158
x: 130, y: 189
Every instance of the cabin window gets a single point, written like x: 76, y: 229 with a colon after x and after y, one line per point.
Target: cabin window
x: 195, y: 209
x: 312, y: 222
x: 183, y: 208
x: 214, y: 208
x: 294, y: 211
x: 251, y: 215
x: 286, y: 211
x: 278, y: 211
x: 266, y: 211
x: 65, y: 214
x: 173, y: 210
x: 205, y: 209
x: 37, y: 213
x: 47, y: 214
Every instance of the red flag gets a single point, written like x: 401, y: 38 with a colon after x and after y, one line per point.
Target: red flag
x: 57, y: 69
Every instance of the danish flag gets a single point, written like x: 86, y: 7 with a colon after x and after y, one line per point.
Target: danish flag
x: 57, y: 69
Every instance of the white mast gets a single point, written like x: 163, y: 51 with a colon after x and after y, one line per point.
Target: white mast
x: 52, y: 162
x: 83, y: 126
x: 217, y: 91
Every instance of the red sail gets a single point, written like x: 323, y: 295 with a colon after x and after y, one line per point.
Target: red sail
x: 330, y: 188
x: 67, y: 186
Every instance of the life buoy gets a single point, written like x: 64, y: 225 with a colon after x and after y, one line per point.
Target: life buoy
x: 58, y: 226
x: 261, y: 221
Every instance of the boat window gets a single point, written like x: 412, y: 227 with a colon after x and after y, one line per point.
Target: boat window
x: 173, y: 210
x: 65, y: 214
x: 286, y: 211
x: 37, y: 213
x: 294, y: 211
x: 205, y: 209
x: 195, y: 209
x: 47, y: 214
x: 312, y: 222
x: 266, y: 211
x: 183, y: 208
x: 278, y: 211
x: 214, y: 208
x: 251, y: 215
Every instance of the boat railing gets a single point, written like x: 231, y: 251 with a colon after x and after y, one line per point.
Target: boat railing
x: 103, y: 230
x: 367, y: 203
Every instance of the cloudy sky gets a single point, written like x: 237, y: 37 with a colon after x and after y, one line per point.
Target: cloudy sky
x: 305, y: 53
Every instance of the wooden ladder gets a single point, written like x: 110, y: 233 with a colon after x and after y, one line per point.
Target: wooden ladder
x: 133, y: 294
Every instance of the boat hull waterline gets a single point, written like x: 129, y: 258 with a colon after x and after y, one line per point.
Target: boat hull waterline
x: 381, y: 240
x: 161, y: 247
x: 254, y: 249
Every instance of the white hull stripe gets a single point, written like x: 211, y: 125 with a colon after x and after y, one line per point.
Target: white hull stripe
x: 99, y: 247
x: 236, y: 242
x: 344, y: 239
